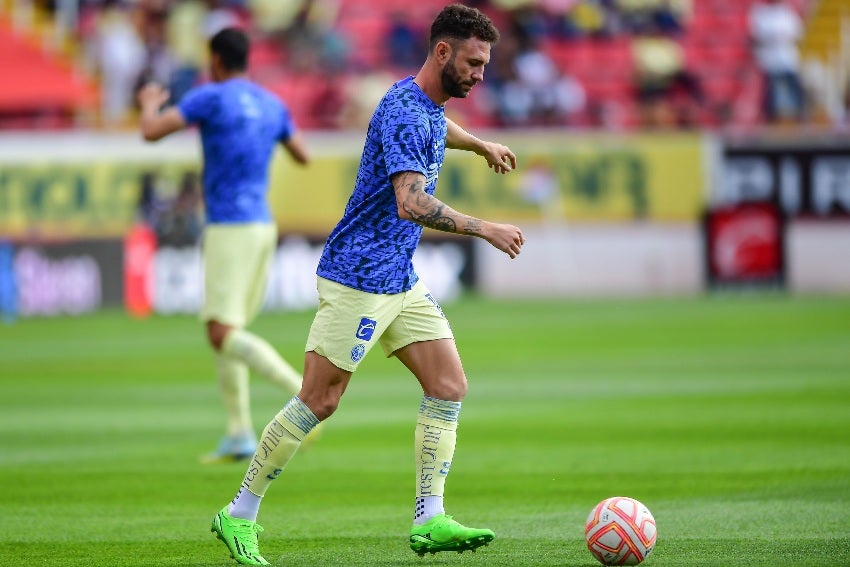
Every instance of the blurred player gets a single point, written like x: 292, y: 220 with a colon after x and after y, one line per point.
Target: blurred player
x: 369, y: 292
x: 240, y: 124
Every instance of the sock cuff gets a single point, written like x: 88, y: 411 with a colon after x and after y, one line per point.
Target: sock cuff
x: 439, y: 413
x: 297, y: 418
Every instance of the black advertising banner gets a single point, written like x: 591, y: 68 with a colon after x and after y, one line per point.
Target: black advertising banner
x: 762, y: 184
x: 802, y: 179
x: 59, y: 278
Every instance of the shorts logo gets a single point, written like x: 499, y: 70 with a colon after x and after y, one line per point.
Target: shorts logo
x: 365, y: 329
x: 430, y: 298
x: 357, y: 352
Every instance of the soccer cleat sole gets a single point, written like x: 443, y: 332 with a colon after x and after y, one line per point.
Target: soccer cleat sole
x: 221, y: 539
x: 422, y: 545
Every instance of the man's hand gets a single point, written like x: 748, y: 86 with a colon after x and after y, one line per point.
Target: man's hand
x: 156, y: 124
x: 499, y: 157
x: 152, y: 96
x: 506, y: 237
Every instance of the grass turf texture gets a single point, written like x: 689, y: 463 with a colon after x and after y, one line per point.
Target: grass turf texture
x: 729, y: 417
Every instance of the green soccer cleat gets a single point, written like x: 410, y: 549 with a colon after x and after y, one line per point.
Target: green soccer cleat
x: 442, y: 533
x: 240, y: 537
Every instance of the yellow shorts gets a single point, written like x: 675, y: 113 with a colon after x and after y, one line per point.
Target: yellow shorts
x: 236, y: 262
x: 349, y: 322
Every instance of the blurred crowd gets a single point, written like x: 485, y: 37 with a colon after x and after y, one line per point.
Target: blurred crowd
x: 128, y: 42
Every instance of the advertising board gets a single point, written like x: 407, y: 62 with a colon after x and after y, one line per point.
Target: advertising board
x: 95, y: 187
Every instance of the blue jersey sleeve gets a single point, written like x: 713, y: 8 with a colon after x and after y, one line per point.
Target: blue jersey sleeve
x: 287, y: 125
x: 405, y: 138
x: 196, y: 105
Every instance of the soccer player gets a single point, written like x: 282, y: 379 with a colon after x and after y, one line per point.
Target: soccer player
x: 370, y: 294
x: 240, y: 125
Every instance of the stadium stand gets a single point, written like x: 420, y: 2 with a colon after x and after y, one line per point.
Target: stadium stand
x: 41, y: 87
x: 713, y: 37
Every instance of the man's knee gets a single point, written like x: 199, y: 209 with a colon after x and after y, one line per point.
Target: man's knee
x: 322, y: 406
x: 323, y: 385
x: 216, y: 333
x: 450, y: 388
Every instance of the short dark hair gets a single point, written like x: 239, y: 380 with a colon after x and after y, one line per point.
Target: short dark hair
x: 232, y: 47
x: 462, y: 22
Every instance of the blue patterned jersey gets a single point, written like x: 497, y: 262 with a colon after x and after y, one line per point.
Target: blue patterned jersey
x: 371, y: 249
x: 240, y: 125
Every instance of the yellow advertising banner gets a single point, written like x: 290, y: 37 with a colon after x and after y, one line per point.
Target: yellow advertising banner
x: 85, y: 199
x: 560, y: 178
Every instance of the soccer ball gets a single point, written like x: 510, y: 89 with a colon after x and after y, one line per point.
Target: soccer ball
x: 620, y: 531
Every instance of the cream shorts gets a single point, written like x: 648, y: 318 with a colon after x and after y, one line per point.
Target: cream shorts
x: 349, y: 322
x: 236, y: 263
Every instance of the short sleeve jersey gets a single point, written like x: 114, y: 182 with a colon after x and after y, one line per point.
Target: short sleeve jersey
x: 240, y: 124
x: 371, y: 248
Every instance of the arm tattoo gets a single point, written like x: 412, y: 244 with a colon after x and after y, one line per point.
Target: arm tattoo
x: 473, y: 225
x: 429, y: 211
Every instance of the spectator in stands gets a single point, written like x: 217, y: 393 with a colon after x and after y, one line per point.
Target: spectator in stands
x: 220, y: 14
x: 119, y: 55
x: 594, y: 19
x: 673, y: 16
x: 313, y: 42
x: 525, y: 19
x: 405, y: 42
x: 271, y: 17
x: 670, y: 16
x: 535, y: 92
x: 160, y: 64
x: 558, y: 14
x: 637, y: 15
x: 555, y: 97
x: 185, y: 36
x: 775, y: 30
x: 668, y: 93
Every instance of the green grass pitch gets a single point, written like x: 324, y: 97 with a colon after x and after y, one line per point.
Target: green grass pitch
x: 728, y: 416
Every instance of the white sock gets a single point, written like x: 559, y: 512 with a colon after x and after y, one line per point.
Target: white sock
x: 246, y: 505
x: 426, y: 508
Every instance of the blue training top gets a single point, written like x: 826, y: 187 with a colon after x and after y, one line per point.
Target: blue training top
x: 240, y: 125
x: 371, y: 249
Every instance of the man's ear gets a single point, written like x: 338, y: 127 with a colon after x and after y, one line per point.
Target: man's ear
x: 443, y: 52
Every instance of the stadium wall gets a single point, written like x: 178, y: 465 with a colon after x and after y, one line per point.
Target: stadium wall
x: 604, y: 215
